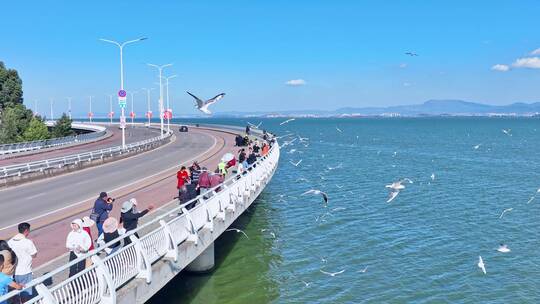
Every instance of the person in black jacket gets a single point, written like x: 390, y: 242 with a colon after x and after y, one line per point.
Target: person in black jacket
x: 129, y: 216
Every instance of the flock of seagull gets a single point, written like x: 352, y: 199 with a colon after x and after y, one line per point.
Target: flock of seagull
x: 393, y: 188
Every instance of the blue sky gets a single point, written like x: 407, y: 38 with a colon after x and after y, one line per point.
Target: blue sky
x: 349, y: 53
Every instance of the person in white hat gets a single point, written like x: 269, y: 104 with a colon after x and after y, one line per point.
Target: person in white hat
x: 78, y: 242
x: 87, y: 224
x: 110, y: 232
x: 129, y: 217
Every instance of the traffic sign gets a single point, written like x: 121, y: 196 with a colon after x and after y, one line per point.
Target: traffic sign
x: 122, y: 93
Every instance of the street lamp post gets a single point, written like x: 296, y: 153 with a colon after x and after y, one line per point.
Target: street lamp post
x: 110, y: 108
x: 148, y: 103
x: 90, y: 114
x: 160, y: 68
x: 121, y: 46
x: 35, y: 108
x: 69, y: 107
x: 132, y: 113
x: 168, y: 104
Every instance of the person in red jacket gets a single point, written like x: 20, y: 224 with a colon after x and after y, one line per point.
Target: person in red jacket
x: 182, y: 177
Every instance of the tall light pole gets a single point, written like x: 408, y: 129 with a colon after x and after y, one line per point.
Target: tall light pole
x: 160, y: 68
x: 35, y: 108
x: 90, y: 114
x: 132, y: 113
x: 149, y: 111
x: 51, y: 104
x: 121, y: 46
x: 69, y: 107
x: 110, y: 108
x: 168, y: 104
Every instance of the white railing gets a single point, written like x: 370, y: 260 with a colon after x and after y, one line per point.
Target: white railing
x: 99, y: 282
x: 74, y: 159
x: 97, y: 131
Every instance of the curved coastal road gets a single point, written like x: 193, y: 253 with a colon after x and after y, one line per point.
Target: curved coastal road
x: 133, y: 134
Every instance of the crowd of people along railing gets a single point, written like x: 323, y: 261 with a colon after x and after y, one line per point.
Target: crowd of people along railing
x: 100, y: 281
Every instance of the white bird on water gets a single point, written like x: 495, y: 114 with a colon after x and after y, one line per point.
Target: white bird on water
x: 504, y: 211
x: 238, y: 231
x: 287, y: 121
x: 332, y: 274
x: 297, y: 163
x: 203, y: 105
x: 503, y: 248
x: 432, y: 176
x: 507, y: 131
x: 481, y: 264
x: 477, y: 146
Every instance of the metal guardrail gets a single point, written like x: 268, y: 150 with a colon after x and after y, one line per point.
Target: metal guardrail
x: 99, y: 282
x: 54, y: 142
x: 59, y: 162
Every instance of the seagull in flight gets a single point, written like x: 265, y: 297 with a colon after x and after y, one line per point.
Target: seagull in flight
x: 504, y: 211
x: 332, y: 274
x: 254, y: 126
x: 534, y: 196
x: 339, y: 130
x: 363, y: 270
x: 317, y: 192
x: 481, y: 264
x: 395, y: 187
x: 477, y: 146
x: 237, y: 231
x: 432, y: 176
x: 507, y: 131
x: 203, y: 105
x: 296, y: 164
x: 503, y: 248
x: 411, y: 54
x: 287, y: 121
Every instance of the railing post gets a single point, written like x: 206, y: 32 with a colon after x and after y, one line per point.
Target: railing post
x: 47, y: 297
x: 105, y: 282
x: 143, y: 263
x: 193, y: 236
x: 172, y: 251
x: 209, y: 218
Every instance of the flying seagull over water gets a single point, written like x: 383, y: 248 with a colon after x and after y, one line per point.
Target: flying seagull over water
x: 339, y: 130
x: 287, y: 121
x: 507, y: 131
x: 534, y: 196
x: 296, y: 164
x: 332, y: 274
x: 203, y: 105
x: 238, y: 231
x: 317, y: 192
x: 363, y: 270
x: 254, y: 126
x: 503, y: 248
x: 395, y: 187
x: 411, y: 54
x: 477, y: 146
x: 481, y: 264
x: 504, y: 211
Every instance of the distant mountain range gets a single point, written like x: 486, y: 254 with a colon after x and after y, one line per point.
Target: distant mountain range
x: 428, y: 108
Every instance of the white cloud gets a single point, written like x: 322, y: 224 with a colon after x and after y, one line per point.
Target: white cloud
x: 403, y: 65
x: 528, y: 62
x: 536, y: 52
x: 500, y: 67
x: 296, y: 82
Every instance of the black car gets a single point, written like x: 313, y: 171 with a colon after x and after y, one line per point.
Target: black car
x: 183, y: 129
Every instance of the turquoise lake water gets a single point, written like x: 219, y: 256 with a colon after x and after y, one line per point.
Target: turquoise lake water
x: 423, y: 247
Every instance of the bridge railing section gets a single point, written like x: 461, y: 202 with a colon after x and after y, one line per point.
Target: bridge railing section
x: 99, y: 282
x: 74, y: 159
x: 97, y: 132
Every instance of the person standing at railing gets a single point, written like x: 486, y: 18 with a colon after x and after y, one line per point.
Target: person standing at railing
x: 78, y: 243
x: 10, y: 258
x: 102, y: 206
x: 87, y: 224
x: 110, y: 232
x: 204, y: 181
x: 25, y: 250
x: 6, y: 281
x: 129, y: 217
x: 182, y: 178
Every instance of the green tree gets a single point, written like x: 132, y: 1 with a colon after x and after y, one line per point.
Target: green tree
x: 62, y: 127
x: 10, y: 88
x: 14, y: 121
x: 37, y: 130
